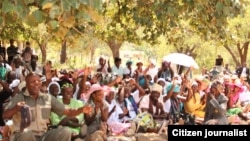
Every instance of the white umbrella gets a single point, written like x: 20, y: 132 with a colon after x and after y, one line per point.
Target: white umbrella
x: 181, y: 59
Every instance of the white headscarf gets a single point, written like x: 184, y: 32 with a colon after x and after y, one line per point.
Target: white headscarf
x: 57, y: 84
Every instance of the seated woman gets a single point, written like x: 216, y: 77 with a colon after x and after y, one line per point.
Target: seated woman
x: 216, y: 105
x: 173, y: 91
x: 233, y: 91
x: 75, y: 124
x: 116, y: 127
x: 97, y: 120
x: 193, y: 104
x: 54, y: 89
x: 151, y: 104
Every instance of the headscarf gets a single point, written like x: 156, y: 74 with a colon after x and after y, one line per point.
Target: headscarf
x: 57, y: 84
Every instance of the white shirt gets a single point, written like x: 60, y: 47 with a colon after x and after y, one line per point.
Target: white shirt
x: 115, y: 115
x: 135, y: 95
x: 117, y: 71
x: 244, y: 72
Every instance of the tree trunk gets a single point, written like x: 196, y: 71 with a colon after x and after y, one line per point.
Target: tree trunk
x: 232, y: 53
x: 243, y: 52
x: 92, y: 52
x: 63, y: 52
x: 115, y: 46
x: 43, y: 51
x: 20, y: 45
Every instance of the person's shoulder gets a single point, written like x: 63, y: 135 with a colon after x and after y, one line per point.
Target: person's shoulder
x: 76, y: 101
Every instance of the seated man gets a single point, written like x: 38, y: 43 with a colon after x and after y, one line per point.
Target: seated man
x: 40, y: 107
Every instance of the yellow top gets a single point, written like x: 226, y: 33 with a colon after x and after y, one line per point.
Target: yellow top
x: 194, y: 106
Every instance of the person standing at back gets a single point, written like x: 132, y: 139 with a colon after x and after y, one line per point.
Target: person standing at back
x: 243, y: 72
x: 2, y: 51
x: 27, y: 54
x: 219, y: 63
x: 11, y: 51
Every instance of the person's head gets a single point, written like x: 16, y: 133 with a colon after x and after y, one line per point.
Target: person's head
x: 17, y: 61
x: 54, y: 88
x: 49, y: 63
x: 176, y: 90
x: 118, y: 61
x: 237, y: 88
x: 110, y: 96
x: 165, y: 65
x: 216, y: 87
x: 162, y: 82
x: 97, y: 78
x: 101, y: 60
x: 195, y: 87
x: 96, y: 93
x: 12, y: 41
x: 129, y: 64
x: 33, y: 84
x: 67, y: 91
x: 156, y: 91
x: 139, y: 64
x: 10, y: 76
x: 27, y: 44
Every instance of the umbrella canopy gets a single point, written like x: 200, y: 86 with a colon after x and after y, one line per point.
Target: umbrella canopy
x: 181, y: 59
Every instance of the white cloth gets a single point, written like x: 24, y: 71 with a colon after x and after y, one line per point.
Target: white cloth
x: 135, y: 95
x: 117, y: 71
x: 130, y: 108
x: 244, y: 96
x: 114, y: 117
x: 244, y: 72
x: 104, y: 69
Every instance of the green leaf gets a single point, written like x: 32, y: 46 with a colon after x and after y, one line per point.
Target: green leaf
x: 75, y: 4
x: 54, y: 12
x: 69, y: 21
x: 84, y: 1
x: 28, y: 1
x: 66, y: 5
x: 53, y: 24
x: 1, y: 20
x: 39, y: 16
x: 19, y: 10
x: 47, y: 5
x: 83, y: 16
x: 219, y: 7
x: 7, y: 6
x: 31, y: 21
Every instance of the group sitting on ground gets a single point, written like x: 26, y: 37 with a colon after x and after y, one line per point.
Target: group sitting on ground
x: 77, y: 105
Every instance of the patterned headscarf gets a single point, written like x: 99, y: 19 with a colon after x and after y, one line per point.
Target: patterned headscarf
x: 66, y: 85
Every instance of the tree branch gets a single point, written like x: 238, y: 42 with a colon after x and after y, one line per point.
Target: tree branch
x: 82, y: 34
x: 232, y: 54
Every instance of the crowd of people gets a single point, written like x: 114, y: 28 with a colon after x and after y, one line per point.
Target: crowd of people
x: 95, y: 102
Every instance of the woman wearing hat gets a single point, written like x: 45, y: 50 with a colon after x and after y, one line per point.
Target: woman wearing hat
x: 233, y: 91
x: 97, y: 120
x: 216, y: 105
